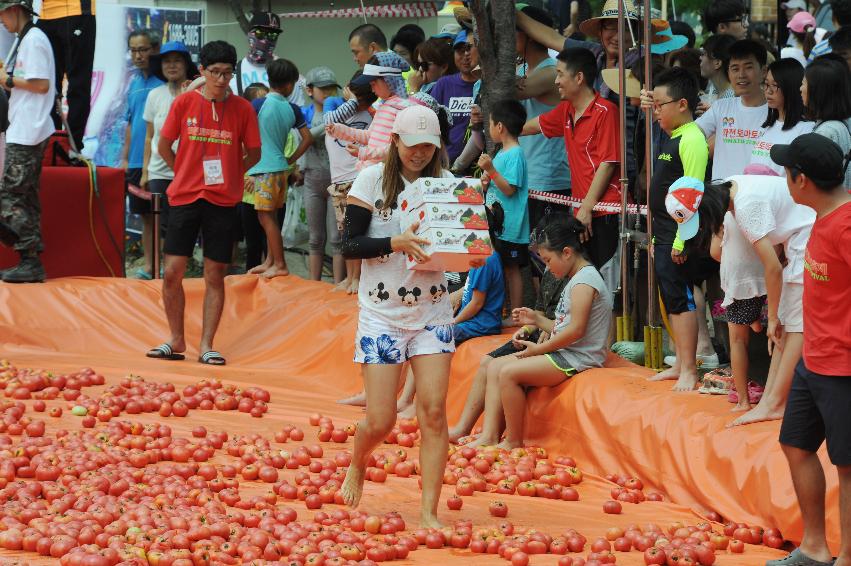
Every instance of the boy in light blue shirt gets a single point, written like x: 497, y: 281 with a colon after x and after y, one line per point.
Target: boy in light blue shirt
x: 276, y: 119
x: 507, y: 181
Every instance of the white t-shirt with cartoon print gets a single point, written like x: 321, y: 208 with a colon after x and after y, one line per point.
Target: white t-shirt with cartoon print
x: 389, y: 291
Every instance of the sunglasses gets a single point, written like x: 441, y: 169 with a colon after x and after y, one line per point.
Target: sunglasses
x: 423, y: 65
x: 266, y: 34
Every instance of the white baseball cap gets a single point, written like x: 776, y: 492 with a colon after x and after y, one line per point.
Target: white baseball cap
x: 799, y: 4
x: 417, y: 124
x: 682, y: 201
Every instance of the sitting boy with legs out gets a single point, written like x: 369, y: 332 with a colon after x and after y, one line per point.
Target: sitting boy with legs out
x: 578, y: 336
x: 507, y: 181
x: 276, y: 119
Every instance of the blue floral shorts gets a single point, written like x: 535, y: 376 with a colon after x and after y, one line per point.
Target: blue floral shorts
x: 377, y: 343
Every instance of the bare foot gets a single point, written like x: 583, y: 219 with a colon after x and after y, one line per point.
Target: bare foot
x: 686, y: 382
x: 352, y: 487
x: 259, y: 269
x: 669, y: 373
x: 509, y: 445
x: 353, y: 288
x: 275, y: 271
x: 408, y: 412
x: 356, y: 400
x: 758, y: 414
x: 429, y: 521
x: 740, y: 407
x: 456, y: 434
x: 342, y: 286
x: 482, y: 440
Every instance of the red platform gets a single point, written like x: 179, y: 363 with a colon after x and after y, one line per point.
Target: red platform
x: 67, y: 216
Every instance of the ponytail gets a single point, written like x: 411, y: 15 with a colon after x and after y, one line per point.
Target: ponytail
x: 561, y: 232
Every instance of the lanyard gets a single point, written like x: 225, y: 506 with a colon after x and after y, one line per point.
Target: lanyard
x: 218, y: 118
x: 12, y: 59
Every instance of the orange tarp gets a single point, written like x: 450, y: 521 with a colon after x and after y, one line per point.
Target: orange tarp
x: 297, y: 339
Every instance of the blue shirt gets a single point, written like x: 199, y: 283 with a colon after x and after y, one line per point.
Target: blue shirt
x: 511, y: 164
x: 137, y: 95
x: 276, y: 119
x: 487, y: 279
x: 546, y: 158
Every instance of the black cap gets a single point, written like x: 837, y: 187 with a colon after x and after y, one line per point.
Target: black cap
x: 814, y: 155
x: 267, y: 20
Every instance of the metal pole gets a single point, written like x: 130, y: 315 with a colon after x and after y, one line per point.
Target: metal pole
x: 156, y: 209
x: 624, y: 324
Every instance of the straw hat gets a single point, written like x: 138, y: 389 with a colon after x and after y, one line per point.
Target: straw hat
x: 591, y: 26
x: 464, y: 17
x: 612, y: 79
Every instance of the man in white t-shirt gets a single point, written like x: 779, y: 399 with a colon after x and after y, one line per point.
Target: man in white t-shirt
x: 265, y: 28
x: 28, y: 74
x: 736, y: 123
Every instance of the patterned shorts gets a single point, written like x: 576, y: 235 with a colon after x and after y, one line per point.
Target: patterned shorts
x: 377, y: 343
x: 339, y: 193
x: 745, y: 311
x: 270, y: 191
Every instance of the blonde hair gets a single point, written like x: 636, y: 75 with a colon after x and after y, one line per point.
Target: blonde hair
x: 392, y: 183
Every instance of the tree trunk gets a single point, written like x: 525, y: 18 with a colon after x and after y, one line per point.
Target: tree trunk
x: 494, y: 21
x: 239, y: 14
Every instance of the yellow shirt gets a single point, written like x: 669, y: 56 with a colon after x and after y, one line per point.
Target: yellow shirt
x: 55, y: 9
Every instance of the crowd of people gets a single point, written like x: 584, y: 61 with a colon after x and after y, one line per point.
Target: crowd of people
x: 749, y: 186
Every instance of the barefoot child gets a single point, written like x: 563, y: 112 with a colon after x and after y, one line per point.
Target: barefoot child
x: 578, y: 338
x: 401, y: 323
x: 684, y: 155
x: 507, y: 182
x: 276, y: 119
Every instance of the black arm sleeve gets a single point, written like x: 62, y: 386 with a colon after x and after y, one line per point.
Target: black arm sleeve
x: 356, y: 244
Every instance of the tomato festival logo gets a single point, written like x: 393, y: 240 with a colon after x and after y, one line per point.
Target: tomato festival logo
x: 817, y: 270
x: 207, y: 135
x: 731, y: 134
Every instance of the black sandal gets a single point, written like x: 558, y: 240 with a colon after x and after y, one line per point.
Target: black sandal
x: 165, y: 352
x: 212, y: 358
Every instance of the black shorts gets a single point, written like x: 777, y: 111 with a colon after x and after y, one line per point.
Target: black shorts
x: 509, y: 348
x: 137, y: 205
x: 605, y: 239
x: 817, y: 410
x: 677, y: 281
x: 745, y: 311
x: 513, y: 254
x: 214, y: 223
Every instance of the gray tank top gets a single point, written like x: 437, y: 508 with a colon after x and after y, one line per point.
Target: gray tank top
x: 590, y: 350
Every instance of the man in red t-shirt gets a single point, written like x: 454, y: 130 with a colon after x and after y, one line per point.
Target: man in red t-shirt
x: 819, y: 402
x: 218, y: 141
x: 589, y: 125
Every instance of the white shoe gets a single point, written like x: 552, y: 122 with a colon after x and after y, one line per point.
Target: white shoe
x: 703, y: 362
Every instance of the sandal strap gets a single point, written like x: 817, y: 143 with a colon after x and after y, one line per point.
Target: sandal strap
x: 165, y: 348
x: 207, y: 356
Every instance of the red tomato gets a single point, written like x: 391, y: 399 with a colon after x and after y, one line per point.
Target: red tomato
x: 454, y: 502
x: 612, y: 507
x: 498, y: 509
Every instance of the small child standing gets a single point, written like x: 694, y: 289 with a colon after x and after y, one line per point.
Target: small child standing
x: 276, y: 119
x: 321, y: 222
x: 507, y: 182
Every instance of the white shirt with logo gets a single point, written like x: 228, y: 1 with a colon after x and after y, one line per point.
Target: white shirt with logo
x: 737, y: 129
x: 252, y: 73
x: 775, y: 133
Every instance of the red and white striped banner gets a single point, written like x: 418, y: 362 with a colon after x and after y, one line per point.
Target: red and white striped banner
x: 556, y: 198
x: 413, y: 10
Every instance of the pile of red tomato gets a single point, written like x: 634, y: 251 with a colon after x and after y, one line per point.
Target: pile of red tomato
x: 118, y: 491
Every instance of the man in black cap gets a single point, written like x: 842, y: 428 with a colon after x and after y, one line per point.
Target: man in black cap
x: 820, y: 397
x: 262, y: 40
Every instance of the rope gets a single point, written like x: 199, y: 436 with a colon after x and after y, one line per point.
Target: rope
x: 556, y: 198
x: 92, y: 190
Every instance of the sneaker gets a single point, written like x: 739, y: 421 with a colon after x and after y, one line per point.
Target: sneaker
x: 797, y: 558
x: 703, y: 362
x: 30, y: 270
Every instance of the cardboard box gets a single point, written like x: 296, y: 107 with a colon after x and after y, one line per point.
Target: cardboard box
x: 446, y: 215
x: 452, y: 249
x: 432, y: 190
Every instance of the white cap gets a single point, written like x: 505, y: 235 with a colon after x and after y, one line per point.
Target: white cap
x: 417, y: 124
x: 799, y: 4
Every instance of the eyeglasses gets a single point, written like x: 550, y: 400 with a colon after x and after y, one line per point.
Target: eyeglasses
x: 769, y: 87
x: 220, y: 75
x: 266, y: 34
x: 744, y: 20
x: 657, y: 107
x: 465, y: 47
x: 140, y: 50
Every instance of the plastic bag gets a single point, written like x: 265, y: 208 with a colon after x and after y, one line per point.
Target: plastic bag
x: 295, y: 220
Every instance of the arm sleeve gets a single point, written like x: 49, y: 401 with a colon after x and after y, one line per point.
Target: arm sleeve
x: 510, y: 168
x: 300, y: 122
x: 755, y: 220
x: 552, y: 122
x: 342, y: 114
x: 349, y: 134
x: 694, y: 155
x: 372, y: 153
x: 356, y: 244
x: 708, y: 123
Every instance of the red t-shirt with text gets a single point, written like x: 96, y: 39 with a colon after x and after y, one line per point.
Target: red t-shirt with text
x: 205, y: 135
x: 589, y: 141
x: 827, y: 295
